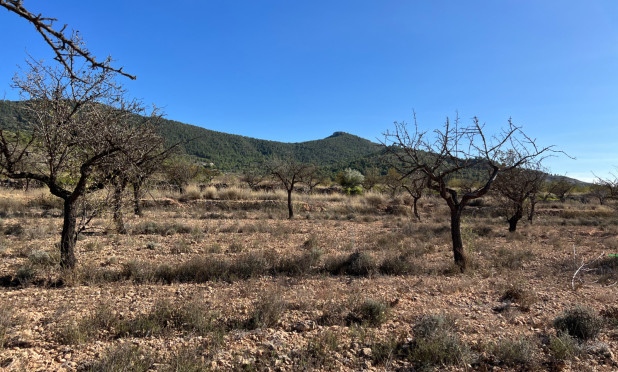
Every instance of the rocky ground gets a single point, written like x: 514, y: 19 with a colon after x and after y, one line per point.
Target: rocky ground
x: 233, y: 285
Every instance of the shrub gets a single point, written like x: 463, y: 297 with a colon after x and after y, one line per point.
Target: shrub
x: 513, y: 352
x: 40, y: 257
x: 436, y: 342
x: 369, y: 312
x: 14, y: 230
x: 312, y: 242
x: 122, y: 358
x: 512, y: 259
x: 7, y: 321
x: 397, y: 265
x: 564, y: 347
x: 153, y: 228
x: 25, y: 274
x: 579, y: 322
x: 295, y: 265
x: 266, y: 311
x: 356, y: 264
x: 519, y: 295
x: 350, y: 178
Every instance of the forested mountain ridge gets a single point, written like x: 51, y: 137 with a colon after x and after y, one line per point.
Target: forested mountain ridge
x: 231, y: 152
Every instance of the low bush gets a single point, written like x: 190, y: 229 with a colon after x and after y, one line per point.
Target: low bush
x: 122, y: 358
x: 580, y: 322
x: 355, y: 264
x: 370, y: 312
x: 266, y: 311
x: 397, y: 265
x: 518, y: 294
x: 564, y: 347
x: 513, y: 353
x: 436, y: 343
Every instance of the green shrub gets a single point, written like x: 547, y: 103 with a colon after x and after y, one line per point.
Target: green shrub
x: 436, y: 343
x: 356, y: 264
x: 513, y: 352
x: 564, y: 347
x: 25, y: 274
x: 41, y: 258
x: 579, y: 322
x: 397, y: 265
x: 295, y: 265
x: 370, y: 312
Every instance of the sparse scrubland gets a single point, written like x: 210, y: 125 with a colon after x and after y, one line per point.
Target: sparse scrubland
x: 220, y: 279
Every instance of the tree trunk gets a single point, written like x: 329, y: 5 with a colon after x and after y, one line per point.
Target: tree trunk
x: 519, y: 213
x: 415, y: 209
x: 117, y: 206
x: 68, y: 237
x: 532, y: 206
x: 290, y: 208
x: 137, y: 205
x: 458, y: 248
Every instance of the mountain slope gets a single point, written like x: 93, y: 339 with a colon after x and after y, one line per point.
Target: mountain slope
x: 230, y: 152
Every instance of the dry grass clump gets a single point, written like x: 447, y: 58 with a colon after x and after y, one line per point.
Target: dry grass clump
x: 8, y: 321
x: 513, y: 353
x: 122, y: 358
x: 520, y: 295
x: 164, y: 317
x: 512, y: 258
x: 564, y: 347
x: 267, y: 310
x: 437, y: 344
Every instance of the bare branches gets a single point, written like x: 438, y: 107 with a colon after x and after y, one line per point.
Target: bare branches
x: 460, y: 151
x: 62, y: 45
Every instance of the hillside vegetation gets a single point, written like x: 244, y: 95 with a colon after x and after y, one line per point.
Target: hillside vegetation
x: 230, y: 152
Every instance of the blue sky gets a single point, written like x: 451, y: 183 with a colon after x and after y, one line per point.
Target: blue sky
x: 299, y: 70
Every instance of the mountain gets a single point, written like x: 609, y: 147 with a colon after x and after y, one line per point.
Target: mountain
x: 230, y: 152
x: 234, y: 153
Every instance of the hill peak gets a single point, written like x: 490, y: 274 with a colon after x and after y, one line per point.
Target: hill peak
x: 337, y: 134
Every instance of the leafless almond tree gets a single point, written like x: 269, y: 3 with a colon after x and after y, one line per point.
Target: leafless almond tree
x: 289, y: 172
x: 415, y: 184
x: 516, y: 186
x: 80, y: 136
x: 455, y: 149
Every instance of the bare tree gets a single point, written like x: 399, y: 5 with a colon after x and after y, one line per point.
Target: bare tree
x: 79, y: 136
x: 289, y: 172
x: 515, y: 187
x: 453, y: 150
x: 253, y: 176
x: 66, y: 48
x: 313, y: 176
x: 144, y: 159
x: 415, y: 184
x: 559, y: 188
x: 605, y: 188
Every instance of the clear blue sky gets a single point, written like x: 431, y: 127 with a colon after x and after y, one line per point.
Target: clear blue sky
x: 299, y: 70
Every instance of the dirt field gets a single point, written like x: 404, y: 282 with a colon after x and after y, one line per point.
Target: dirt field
x: 352, y: 283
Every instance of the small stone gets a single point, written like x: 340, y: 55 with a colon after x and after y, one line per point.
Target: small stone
x: 366, y: 352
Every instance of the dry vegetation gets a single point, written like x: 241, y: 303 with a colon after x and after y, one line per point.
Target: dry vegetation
x: 221, y: 280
